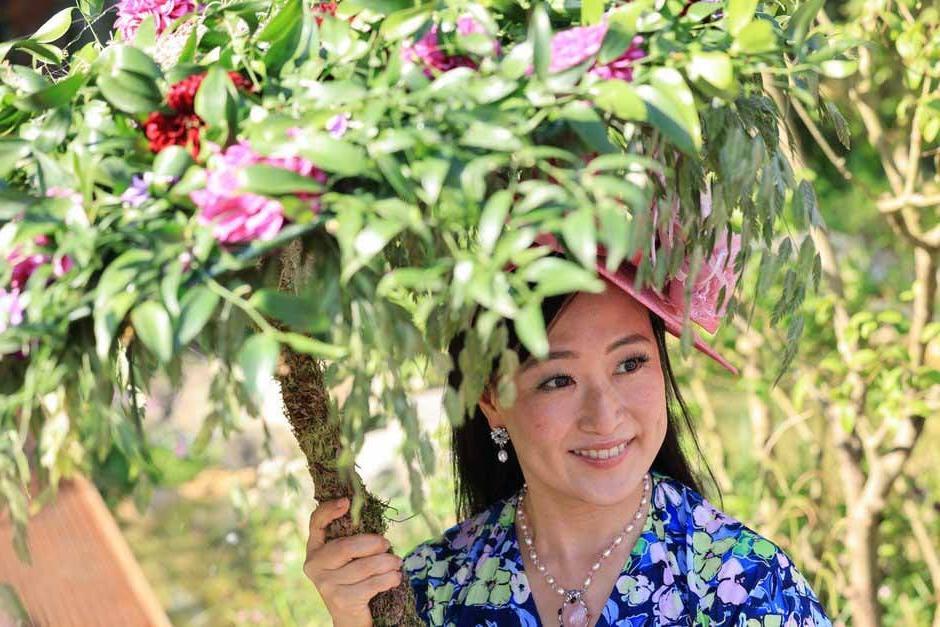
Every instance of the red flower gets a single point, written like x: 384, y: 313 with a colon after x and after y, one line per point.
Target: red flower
x: 324, y: 8
x: 181, y: 128
x: 173, y: 130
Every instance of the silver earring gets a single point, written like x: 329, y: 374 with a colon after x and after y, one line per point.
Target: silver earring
x: 500, y: 435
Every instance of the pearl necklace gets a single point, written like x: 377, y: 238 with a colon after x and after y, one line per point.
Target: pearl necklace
x: 574, y: 611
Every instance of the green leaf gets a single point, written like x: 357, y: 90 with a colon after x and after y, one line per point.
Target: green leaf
x: 152, y: 324
x: 580, y: 235
x: 55, y: 27
x: 671, y: 109
x: 616, y: 41
x: 714, y: 68
x: 124, y: 58
x: 493, y: 219
x: 116, y: 280
x: 130, y: 92
x: 802, y: 19
x: 756, y: 38
x: 334, y: 155
x: 401, y: 24
x: 196, y: 308
x: 530, y: 328
x: 490, y: 137
x: 621, y: 99
x: 283, y: 22
x: 555, y: 276
x: 591, y: 11
x: 257, y: 359
x: 314, y: 347
x: 215, y: 100
x: 739, y: 14
x: 382, y: 7
x: 59, y: 95
x: 11, y: 152
x: 172, y: 161
x: 838, y: 68
x: 540, y: 34
x: 107, y: 319
x: 271, y: 180
x: 300, y: 313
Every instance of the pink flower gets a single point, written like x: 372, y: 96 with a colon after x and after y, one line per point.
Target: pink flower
x: 24, y: 266
x: 338, y: 124
x: 427, y: 50
x: 576, y: 45
x: 237, y: 217
x: 717, y: 272
x: 11, y: 308
x: 132, y: 12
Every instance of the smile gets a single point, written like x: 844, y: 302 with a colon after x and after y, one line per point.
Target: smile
x: 603, y: 453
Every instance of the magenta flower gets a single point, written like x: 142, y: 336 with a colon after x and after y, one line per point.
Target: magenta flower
x: 427, y: 51
x: 576, y: 45
x: 132, y: 12
x: 237, y: 217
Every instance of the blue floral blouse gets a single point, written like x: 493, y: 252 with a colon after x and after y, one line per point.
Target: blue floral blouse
x: 692, y: 565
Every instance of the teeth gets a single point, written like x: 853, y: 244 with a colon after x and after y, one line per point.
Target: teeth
x: 601, y: 453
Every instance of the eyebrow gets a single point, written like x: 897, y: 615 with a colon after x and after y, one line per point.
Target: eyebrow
x: 633, y: 338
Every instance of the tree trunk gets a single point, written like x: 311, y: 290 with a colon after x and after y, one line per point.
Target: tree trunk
x: 862, y: 541
x: 307, y: 409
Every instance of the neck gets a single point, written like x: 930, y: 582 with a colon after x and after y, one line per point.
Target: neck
x: 570, y: 534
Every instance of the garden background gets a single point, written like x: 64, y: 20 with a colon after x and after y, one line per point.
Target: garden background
x: 835, y: 463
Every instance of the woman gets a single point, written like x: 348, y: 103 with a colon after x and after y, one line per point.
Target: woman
x: 583, y: 509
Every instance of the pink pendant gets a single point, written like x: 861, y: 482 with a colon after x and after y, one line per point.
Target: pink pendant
x: 574, y: 614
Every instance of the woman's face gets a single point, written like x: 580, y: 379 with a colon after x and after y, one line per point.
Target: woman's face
x: 601, y: 392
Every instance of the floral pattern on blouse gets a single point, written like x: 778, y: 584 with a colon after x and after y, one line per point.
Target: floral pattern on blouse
x: 692, y: 565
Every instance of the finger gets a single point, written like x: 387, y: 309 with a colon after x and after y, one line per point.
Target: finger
x: 363, y: 568
x: 322, y: 516
x: 339, y: 552
x: 365, y: 590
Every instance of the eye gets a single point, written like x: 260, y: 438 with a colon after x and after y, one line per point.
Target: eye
x: 637, y: 360
x: 634, y: 363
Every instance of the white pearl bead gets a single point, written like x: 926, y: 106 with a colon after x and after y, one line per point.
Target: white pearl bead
x: 618, y: 540
x: 541, y: 568
x: 596, y: 566
x: 550, y: 580
x: 587, y: 582
x: 607, y: 553
x: 528, y: 541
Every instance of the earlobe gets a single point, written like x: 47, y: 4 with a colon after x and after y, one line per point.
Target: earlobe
x: 489, y: 409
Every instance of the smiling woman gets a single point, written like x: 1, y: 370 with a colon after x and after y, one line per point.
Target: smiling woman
x: 596, y: 517
x: 577, y: 502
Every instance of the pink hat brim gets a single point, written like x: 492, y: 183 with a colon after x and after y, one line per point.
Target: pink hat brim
x: 665, y: 309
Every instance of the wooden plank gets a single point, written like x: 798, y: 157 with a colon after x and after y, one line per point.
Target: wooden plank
x: 83, y: 572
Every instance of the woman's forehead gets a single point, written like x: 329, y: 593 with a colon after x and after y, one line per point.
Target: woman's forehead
x: 612, y: 310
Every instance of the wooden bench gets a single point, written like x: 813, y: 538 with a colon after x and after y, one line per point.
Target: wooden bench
x: 83, y: 572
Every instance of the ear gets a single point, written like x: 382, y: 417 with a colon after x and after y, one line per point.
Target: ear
x: 489, y: 405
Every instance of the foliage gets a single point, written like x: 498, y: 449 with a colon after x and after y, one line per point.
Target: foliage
x: 148, y: 185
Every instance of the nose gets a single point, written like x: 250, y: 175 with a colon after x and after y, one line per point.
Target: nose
x: 603, y: 411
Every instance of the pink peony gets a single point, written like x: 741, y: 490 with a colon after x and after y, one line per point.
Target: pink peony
x: 132, y: 12
x: 576, y: 45
x: 237, y: 217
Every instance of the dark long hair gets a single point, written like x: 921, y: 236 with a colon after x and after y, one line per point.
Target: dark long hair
x: 480, y: 480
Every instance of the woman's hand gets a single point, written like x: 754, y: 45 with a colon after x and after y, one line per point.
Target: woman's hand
x: 348, y: 571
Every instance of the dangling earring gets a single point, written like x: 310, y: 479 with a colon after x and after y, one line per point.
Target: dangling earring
x: 500, y: 435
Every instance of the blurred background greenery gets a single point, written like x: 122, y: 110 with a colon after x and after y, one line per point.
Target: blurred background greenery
x: 836, y: 463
